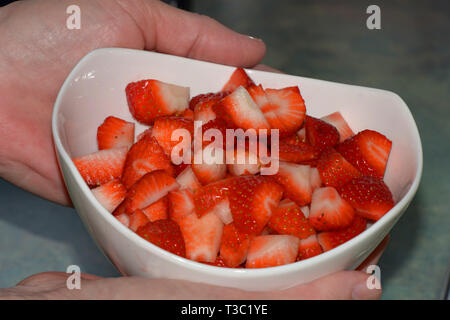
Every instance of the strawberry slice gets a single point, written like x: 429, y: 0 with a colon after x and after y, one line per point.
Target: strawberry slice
x: 309, y: 248
x: 334, y: 169
x: 202, y: 236
x: 295, y: 180
x: 115, y: 133
x: 239, y: 110
x: 187, y: 114
x: 272, y: 250
x: 157, y: 210
x: 368, y: 151
x: 187, y: 179
x: 223, y: 211
x: 181, y: 204
x: 138, y: 219
x: 285, y: 110
x: 292, y: 149
x: 102, y: 166
x: 110, y: 195
x: 314, y: 178
x: 208, y: 196
x: 242, y: 162
x: 331, y: 239
x: 123, y: 219
x: 203, y: 106
x: 149, y: 99
x: 288, y: 219
x: 329, y: 211
x: 209, y: 137
x: 218, y: 263
x: 337, y: 120
x: 238, y: 78
x: 149, y: 189
x: 145, y: 156
x: 370, y: 197
x: 320, y: 134
x: 144, y: 133
x: 165, y: 234
x: 209, y: 165
x: 234, y: 246
x: 164, y: 127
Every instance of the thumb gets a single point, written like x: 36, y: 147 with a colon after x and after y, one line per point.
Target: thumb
x: 170, y: 30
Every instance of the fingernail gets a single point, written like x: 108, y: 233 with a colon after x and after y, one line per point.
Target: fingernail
x: 362, y: 292
x: 255, y: 38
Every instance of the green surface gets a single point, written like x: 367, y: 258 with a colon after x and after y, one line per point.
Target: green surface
x: 410, y: 56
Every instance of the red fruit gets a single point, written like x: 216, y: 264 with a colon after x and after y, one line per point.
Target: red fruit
x: 234, y: 246
x: 238, y: 78
x: 102, y: 166
x: 218, y: 263
x: 288, y: 219
x: 179, y: 168
x: 123, y: 219
x: 242, y: 162
x: 181, y: 204
x: 331, y: 239
x: 370, y: 197
x: 209, y: 137
x: 120, y: 209
x: 149, y: 189
x: 165, y: 234
x: 314, y: 178
x: 138, y: 219
x: 149, y: 99
x: 115, y: 133
x: 202, y: 236
x: 272, y: 250
x: 144, y: 133
x: 157, y: 210
x: 309, y: 248
x: 164, y: 127
x: 187, y: 114
x: 203, y: 108
x: 329, y: 211
x: 338, y: 121
x: 145, y: 156
x: 285, y: 110
x: 295, y: 180
x: 223, y: 211
x: 187, y: 179
x: 208, y: 196
x: 239, y: 110
x: 321, y: 134
x: 292, y: 149
x: 335, y: 170
x: 209, y: 164
x: 110, y: 195
x: 368, y: 151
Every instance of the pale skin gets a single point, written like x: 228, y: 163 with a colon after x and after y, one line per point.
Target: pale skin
x: 37, y: 52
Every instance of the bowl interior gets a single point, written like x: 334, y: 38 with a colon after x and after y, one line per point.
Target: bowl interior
x: 96, y: 89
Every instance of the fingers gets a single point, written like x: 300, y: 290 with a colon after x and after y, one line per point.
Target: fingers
x: 263, y: 67
x: 170, y: 30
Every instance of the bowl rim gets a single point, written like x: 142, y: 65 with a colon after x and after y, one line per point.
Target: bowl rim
x: 203, y: 267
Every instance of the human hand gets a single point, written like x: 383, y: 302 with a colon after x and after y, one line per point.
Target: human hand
x: 37, y: 52
x: 52, y: 285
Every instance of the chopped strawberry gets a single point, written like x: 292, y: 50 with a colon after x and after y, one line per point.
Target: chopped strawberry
x: 292, y: 149
x: 314, y: 178
x: 144, y: 133
x: 272, y: 250
x: 187, y: 114
x: 239, y: 110
x: 149, y: 189
x: 331, y: 239
x: 149, y: 99
x: 320, y: 134
x: 102, y: 166
x: 218, y: 263
x: 203, y: 108
x: 295, y: 179
x: 209, y: 165
x: 187, y: 179
x: 110, y: 195
x: 329, y: 211
x: 238, y: 78
x: 165, y: 234
x: 208, y: 196
x: 179, y: 168
x: 115, y: 133
x: 120, y: 209
x: 309, y: 248
x: 305, y: 210
x: 234, y: 246
x: 242, y: 162
x: 368, y: 151
x: 223, y: 211
x: 334, y: 169
x: 258, y: 95
x: 123, y: 219
x: 288, y: 218
x: 370, y: 196
x: 181, y: 204
x: 145, y: 156
x: 302, y: 134
x: 164, y: 127
x: 209, y: 136
x: 138, y: 219
x: 206, y: 98
x: 157, y: 210
x: 202, y: 236
x: 337, y: 120
x: 285, y: 110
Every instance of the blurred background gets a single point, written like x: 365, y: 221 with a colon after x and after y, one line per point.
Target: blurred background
x: 326, y: 39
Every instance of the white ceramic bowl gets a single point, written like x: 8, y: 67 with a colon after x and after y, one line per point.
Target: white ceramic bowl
x: 95, y: 89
